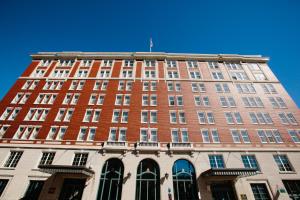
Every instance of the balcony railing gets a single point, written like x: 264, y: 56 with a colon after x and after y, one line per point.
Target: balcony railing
x: 147, y: 144
x: 181, y: 145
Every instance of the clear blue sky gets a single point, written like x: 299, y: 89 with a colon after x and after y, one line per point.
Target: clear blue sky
x: 270, y: 28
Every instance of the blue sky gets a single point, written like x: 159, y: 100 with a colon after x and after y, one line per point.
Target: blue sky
x: 270, y: 28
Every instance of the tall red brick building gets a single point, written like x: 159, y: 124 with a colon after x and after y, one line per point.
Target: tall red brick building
x: 93, y: 125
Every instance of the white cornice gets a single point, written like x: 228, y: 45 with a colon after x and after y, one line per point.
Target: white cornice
x: 148, y: 55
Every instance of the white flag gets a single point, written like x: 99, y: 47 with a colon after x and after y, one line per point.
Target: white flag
x: 151, y: 44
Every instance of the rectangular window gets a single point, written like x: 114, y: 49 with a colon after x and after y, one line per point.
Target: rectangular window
x: 60, y: 73
x: 20, y: 98
x: 213, y: 65
x: 128, y: 63
x: 3, y: 183
x: 148, y: 135
x: 30, y: 84
x: 192, y: 64
x: 37, y: 114
x: 10, y: 113
x: 150, y: 63
x: 269, y: 136
x: 216, y: 161
x: 195, y: 75
x: 240, y: 135
x: 80, y: 159
x: 268, y: 88
x: 34, y: 189
x: 217, y: 76
x: 27, y: 132
x: 283, y: 163
x: 58, y: 131
x: 222, y: 88
x: 45, y: 98
x: 295, y: 135
x: 53, y: 85
x: 171, y: 63
x: 260, y: 191
x: 86, y: 63
x: 96, y: 99
x: 13, y: 159
x: 250, y: 162
x: 107, y: 63
x: 245, y: 88
x: 47, y: 158
x: 3, y: 129
x: 293, y: 188
x: 198, y: 87
x: 92, y: 115
x: 82, y: 73
x: 209, y: 136
x: 182, y: 138
x: 172, y: 74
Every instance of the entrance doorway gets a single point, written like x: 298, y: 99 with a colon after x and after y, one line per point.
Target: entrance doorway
x: 72, y: 189
x: 222, y: 191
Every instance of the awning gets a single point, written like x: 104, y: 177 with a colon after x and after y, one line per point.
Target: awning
x: 230, y: 172
x: 66, y: 169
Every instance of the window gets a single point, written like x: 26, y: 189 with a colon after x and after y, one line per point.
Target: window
x: 239, y: 76
x: 71, y: 99
x: 245, y: 88
x: 61, y: 73
x: 86, y: 133
x: 269, y: 136
x: 125, y: 85
x: 292, y: 187
x: 110, y: 179
x: 175, y: 100
x: 205, y: 117
x: 295, y: 135
x: 104, y: 73
x: 20, y: 98
x: 172, y: 74
x: 195, y: 75
x: 107, y: 63
x: 25, y: 132
x: 260, y: 191
x: 277, y: 102
x: 145, y: 100
x: 150, y: 63
x: 252, y: 102
x: 82, y: 73
x: 44, y: 63
x: 254, y: 66
x: 283, y: 163
x: 240, y: 135
x: 96, y: 99
x: 209, y: 136
x: 148, y: 180
x: 198, y: 87
x: 250, y: 162
x: 216, y: 161
x: 45, y: 98
x: 260, y: 118
x: 181, y: 117
x: 150, y: 73
x: 227, y: 101
x: 222, y: 88
x: 213, y: 65
x: 149, y: 116
x: 122, y: 99
x: 171, y: 63
x: 86, y: 63
x: 47, y: 158
x: 37, y: 114
x: 217, y: 75
x: 127, y: 73
x: 30, y: 84
x: 3, y: 183
x: 147, y: 86
x: 128, y: 63
x: 201, y: 101
x: 120, y: 116
x: 148, y: 135
x: 121, y: 137
x: 234, y: 66
x: 179, y: 135
x: 58, y: 131
x: 287, y: 118
x: 171, y: 87
x: 233, y: 118
x: 80, y: 159
x: 53, y: 85
x: 192, y: 64
x: 10, y: 113
x: 65, y: 63
x: 92, y: 115
x: 268, y: 88
x: 38, y: 73
x: 64, y: 114
x: 3, y: 129
x: 77, y: 85
x: 100, y: 85
x: 13, y: 159
x: 34, y: 189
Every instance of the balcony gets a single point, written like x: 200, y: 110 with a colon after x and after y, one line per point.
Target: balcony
x: 114, y: 146
x: 180, y: 147
x: 147, y: 146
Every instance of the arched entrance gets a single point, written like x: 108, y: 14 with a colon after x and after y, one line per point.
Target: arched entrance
x: 111, y: 180
x: 148, y: 180
x: 184, y: 181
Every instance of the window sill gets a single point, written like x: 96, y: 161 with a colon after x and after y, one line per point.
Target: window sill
x: 7, y: 168
x: 287, y: 172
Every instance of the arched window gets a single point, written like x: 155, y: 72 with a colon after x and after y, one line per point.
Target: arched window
x: 148, y: 181
x: 184, y: 180
x: 111, y: 180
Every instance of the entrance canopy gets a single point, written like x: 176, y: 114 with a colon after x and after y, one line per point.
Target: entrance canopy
x: 66, y: 169
x: 229, y: 172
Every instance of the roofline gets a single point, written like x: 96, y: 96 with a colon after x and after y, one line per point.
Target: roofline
x: 148, y: 55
